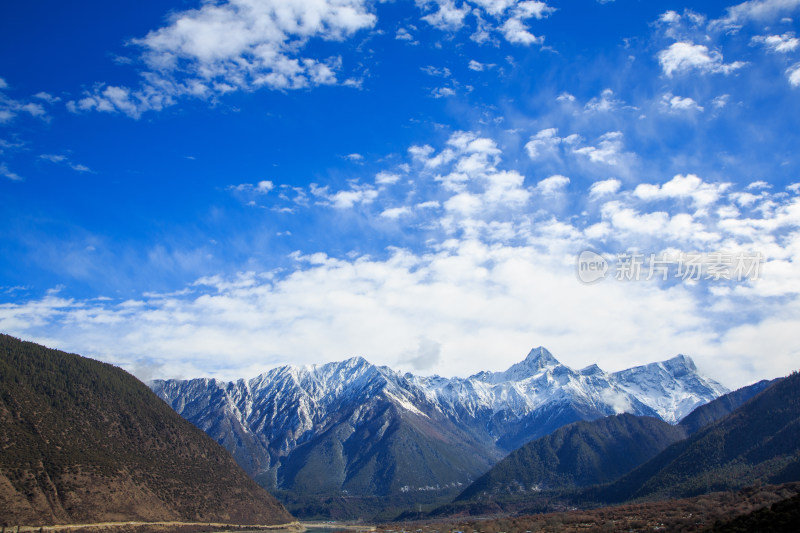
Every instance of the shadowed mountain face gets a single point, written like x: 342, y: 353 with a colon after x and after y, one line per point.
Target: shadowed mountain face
x: 723, y: 406
x: 577, y: 455
x: 758, y: 442
x: 356, y: 429
x: 84, y: 441
x: 588, y: 453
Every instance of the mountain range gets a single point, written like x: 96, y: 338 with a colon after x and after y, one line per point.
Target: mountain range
x: 85, y: 442
x: 355, y: 429
x: 744, y: 437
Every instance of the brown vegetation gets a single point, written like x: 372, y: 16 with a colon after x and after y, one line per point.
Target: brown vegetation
x: 689, y: 514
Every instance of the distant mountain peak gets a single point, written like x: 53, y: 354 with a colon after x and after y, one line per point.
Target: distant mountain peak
x: 680, y: 363
x: 537, y: 359
x: 591, y: 370
x: 541, y: 356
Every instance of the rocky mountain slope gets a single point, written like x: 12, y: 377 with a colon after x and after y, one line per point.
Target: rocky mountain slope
x: 82, y: 442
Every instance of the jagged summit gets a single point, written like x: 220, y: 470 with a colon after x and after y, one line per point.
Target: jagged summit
x: 540, y: 357
x: 680, y: 364
x: 537, y: 360
x: 592, y: 369
x: 349, y: 410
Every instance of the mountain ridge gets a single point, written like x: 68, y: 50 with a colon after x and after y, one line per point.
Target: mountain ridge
x: 271, y: 421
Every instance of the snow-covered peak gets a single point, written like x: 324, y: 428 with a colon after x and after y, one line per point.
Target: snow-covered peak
x: 537, y: 361
x: 591, y: 370
x: 673, y: 388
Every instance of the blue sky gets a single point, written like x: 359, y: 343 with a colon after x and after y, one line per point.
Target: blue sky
x: 215, y: 188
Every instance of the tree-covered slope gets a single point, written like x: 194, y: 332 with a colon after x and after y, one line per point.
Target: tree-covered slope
x: 722, y: 406
x: 83, y: 441
x: 759, y: 442
x: 577, y: 455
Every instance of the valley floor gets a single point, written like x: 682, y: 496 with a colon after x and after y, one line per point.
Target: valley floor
x: 154, y: 527
x: 699, y: 513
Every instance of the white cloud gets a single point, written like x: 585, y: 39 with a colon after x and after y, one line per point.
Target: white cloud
x: 756, y: 11
x: 690, y: 186
x: 11, y: 108
x: 793, y: 74
x: 608, y: 150
x: 62, y: 159
x: 669, y: 17
x: 682, y: 57
x: 677, y: 103
x: 386, y: 178
x: 604, y: 103
x: 778, y: 43
x: 233, y: 45
x: 346, y: 199
x: 553, y: 185
x: 541, y: 143
x: 494, y: 277
x: 604, y: 187
x: 447, y: 16
x: 516, y: 31
x: 443, y: 92
x: 404, y: 35
x: 430, y: 70
x: 262, y: 187
x: 7, y: 173
x: 476, y: 65
x: 395, y: 212
x: 720, y: 101
x: 511, y: 18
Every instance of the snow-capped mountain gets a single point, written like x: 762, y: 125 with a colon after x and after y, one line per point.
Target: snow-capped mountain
x: 368, y: 430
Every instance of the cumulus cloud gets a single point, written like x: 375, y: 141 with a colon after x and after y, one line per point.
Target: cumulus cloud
x: 552, y: 185
x: 233, y: 45
x: 262, y: 187
x: 604, y: 187
x: 778, y: 43
x: 446, y: 16
x: 507, y: 17
x: 793, y: 75
x: 677, y: 103
x: 683, y: 57
x: 608, y: 150
x: 544, y: 141
x: 689, y: 186
x: 604, y: 103
x: 345, y: 199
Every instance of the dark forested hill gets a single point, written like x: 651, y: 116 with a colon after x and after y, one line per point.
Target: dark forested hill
x: 577, y: 455
x: 722, y: 406
x: 83, y: 441
x: 758, y: 442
